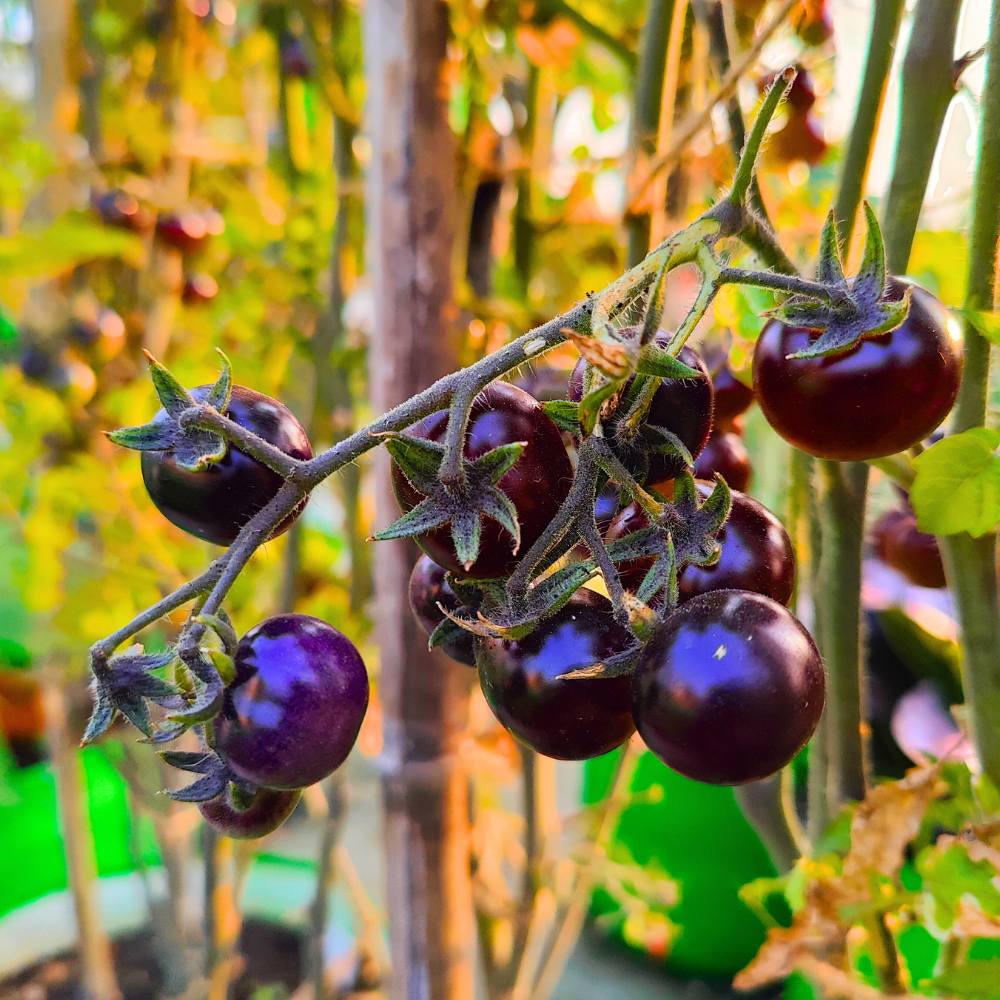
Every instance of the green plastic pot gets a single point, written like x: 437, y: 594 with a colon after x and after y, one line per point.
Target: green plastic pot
x: 696, y: 833
x: 32, y: 863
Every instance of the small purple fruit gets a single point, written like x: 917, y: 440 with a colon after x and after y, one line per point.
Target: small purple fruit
x: 294, y: 710
x: 266, y: 811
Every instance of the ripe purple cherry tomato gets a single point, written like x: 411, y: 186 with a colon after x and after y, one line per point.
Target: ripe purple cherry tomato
x: 682, y: 406
x: 730, y: 689
x: 899, y: 543
x: 880, y: 397
x: 725, y: 454
x: 561, y: 718
x: 757, y: 554
x: 268, y: 809
x: 294, y: 710
x: 215, y: 503
x: 537, y: 484
x: 122, y: 210
x: 429, y: 587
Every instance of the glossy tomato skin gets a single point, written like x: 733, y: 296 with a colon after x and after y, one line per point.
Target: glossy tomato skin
x: 564, y: 719
x: 899, y: 543
x: 429, y: 587
x: 268, y: 809
x: 199, y: 288
x: 294, y: 710
x: 757, y: 554
x: 725, y: 454
x: 215, y: 503
x: 801, y: 138
x: 730, y: 689
x: 122, y: 210
x: 881, y: 397
x: 537, y: 484
x: 185, y: 231
x: 732, y: 397
x: 683, y: 406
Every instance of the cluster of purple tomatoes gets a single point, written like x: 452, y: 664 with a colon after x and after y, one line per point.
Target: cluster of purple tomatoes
x: 731, y: 686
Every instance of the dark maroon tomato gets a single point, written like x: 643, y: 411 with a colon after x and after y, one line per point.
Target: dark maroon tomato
x: 757, y: 554
x: 122, y: 210
x: 682, y: 406
x: 727, y: 455
x: 814, y: 25
x: 537, y: 484
x: 732, y: 397
x: 215, y: 503
x: 730, y: 689
x: 266, y: 811
x: 801, y: 95
x: 544, y: 383
x: 429, y: 587
x: 199, y: 288
x: 103, y: 333
x: 881, y: 397
x: 293, y: 712
x: 899, y: 543
x: 801, y: 138
x: 565, y: 719
x: 184, y: 231
x: 293, y: 58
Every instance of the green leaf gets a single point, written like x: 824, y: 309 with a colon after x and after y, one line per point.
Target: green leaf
x: 564, y: 414
x: 67, y: 242
x: 986, y: 324
x: 957, y: 485
x: 974, y: 980
x: 949, y: 875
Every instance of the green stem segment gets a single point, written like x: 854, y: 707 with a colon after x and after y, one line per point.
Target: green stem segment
x: 885, y: 27
x: 839, y: 763
x: 646, y: 110
x: 842, y: 506
x: 928, y: 85
x: 970, y: 562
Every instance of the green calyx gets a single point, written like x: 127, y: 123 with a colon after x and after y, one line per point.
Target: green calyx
x: 192, y: 448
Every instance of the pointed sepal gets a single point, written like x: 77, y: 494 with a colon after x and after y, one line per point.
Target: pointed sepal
x: 656, y: 361
x: 222, y: 390
x: 830, y: 269
x: 123, y: 685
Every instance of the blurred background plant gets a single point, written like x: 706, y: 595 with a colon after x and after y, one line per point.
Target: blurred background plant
x: 182, y: 175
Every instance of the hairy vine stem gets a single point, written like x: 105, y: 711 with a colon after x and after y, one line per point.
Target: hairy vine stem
x: 591, y: 325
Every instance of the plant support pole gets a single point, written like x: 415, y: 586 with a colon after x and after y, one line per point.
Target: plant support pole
x: 424, y: 694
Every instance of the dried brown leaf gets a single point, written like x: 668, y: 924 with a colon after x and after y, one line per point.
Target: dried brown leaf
x: 884, y: 824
